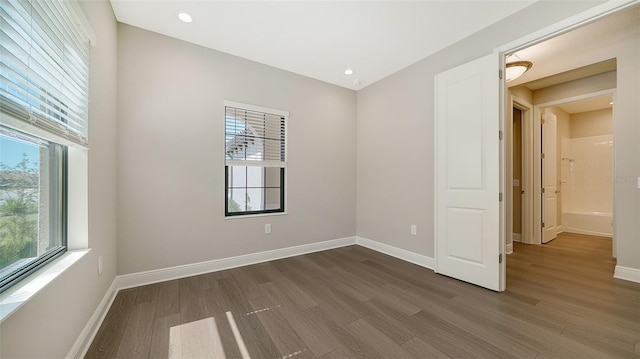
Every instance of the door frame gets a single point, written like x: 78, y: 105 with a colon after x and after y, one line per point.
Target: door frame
x: 526, y: 182
x: 537, y: 148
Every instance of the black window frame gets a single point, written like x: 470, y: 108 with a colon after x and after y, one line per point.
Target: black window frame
x: 245, y: 213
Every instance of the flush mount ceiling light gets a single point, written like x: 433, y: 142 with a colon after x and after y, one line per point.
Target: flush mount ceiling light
x: 348, y: 72
x: 184, y: 17
x: 516, y: 67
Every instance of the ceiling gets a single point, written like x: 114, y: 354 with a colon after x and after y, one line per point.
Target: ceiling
x: 577, y: 54
x: 572, y: 55
x: 591, y: 104
x: 321, y: 39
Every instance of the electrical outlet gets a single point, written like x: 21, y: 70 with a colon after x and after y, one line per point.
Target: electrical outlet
x: 100, y: 265
x: 414, y: 229
x: 267, y: 228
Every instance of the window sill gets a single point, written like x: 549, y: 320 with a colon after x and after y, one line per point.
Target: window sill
x: 257, y: 215
x: 18, y: 295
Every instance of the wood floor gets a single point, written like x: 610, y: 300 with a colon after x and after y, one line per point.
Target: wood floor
x: 562, y: 302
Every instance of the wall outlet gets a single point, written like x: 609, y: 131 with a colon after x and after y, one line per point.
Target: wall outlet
x: 267, y: 228
x: 100, y: 265
x: 414, y: 229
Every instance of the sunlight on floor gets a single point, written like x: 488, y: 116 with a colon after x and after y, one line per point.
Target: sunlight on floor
x: 199, y: 339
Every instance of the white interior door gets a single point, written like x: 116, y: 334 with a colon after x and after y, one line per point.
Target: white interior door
x: 549, y: 177
x: 467, y: 173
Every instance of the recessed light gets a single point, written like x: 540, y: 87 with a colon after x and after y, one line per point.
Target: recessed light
x: 348, y: 72
x: 184, y: 17
x: 611, y: 103
x: 357, y: 83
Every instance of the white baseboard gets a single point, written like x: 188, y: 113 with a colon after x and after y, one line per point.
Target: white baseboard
x: 559, y: 230
x: 627, y: 273
x: 82, y: 344
x: 589, y: 233
x: 516, y: 237
x: 399, y: 253
x: 187, y: 270
x: 509, y: 248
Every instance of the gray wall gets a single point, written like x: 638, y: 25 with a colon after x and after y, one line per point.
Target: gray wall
x: 49, y: 324
x: 395, y: 132
x: 171, y: 154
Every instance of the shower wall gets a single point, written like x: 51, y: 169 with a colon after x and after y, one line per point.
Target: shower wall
x: 586, y: 174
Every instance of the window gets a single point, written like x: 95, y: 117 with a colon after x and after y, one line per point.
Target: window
x: 44, y: 70
x: 255, y: 159
x: 32, y: 203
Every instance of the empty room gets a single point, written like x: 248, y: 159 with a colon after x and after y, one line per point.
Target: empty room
x: 319, y: 179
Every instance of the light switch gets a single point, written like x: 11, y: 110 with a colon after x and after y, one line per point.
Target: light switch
x: 516, y: 183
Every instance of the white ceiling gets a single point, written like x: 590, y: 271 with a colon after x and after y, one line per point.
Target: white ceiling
x: 592, y: 104
x: 581, y: 47
x: 320, y: 39
x: 577, y: 54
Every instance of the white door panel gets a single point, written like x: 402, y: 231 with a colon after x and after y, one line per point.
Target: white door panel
x: 549, y: 178
x: 467, y: 173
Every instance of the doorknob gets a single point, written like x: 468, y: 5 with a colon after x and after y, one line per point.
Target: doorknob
x: 522, y: 192
x: 557, y: 192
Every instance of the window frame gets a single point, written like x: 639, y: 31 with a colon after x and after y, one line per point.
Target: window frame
x: 282, y: 166
x: 61, y: 195
x: 259, y: 212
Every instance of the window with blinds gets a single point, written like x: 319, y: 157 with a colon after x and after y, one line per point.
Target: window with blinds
x: 44, y: 99
x: 255, y: 159
x: 44, y: 67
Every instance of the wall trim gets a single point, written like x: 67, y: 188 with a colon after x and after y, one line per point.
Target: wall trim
x: 509, y: 248
x: 516, y: 237
x: 81, y: 346
x: 399, y: 253
x: 627, y: 273
x: 187, y: 270
x: 589, y: 233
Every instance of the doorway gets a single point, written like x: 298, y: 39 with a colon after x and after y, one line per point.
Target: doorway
x: 577, y: 142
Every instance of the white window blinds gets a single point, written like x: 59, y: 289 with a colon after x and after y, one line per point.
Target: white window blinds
x: 44, y: 74
x: 255, y: 136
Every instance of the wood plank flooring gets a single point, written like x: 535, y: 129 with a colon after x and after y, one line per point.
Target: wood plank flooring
x: 562, y: 302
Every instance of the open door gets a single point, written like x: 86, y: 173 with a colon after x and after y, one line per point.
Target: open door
x: 549, y: 177
x: 467, y: 223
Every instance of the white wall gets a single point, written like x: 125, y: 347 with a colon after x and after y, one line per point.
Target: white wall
x: 171, y: 154
x: 49, y: 324
x: 395, y: 132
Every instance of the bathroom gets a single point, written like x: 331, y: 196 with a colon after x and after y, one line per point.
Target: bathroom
x: 585, y: 161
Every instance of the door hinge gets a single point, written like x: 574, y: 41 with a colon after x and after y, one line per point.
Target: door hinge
x: 542, y: 224
x: 542, y: 189
x: 500, y: 73
x: 542, y: 156
x: 500, y: 258
x: 500, y: 197
x: 542, y: 121
x: 500, y: 135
